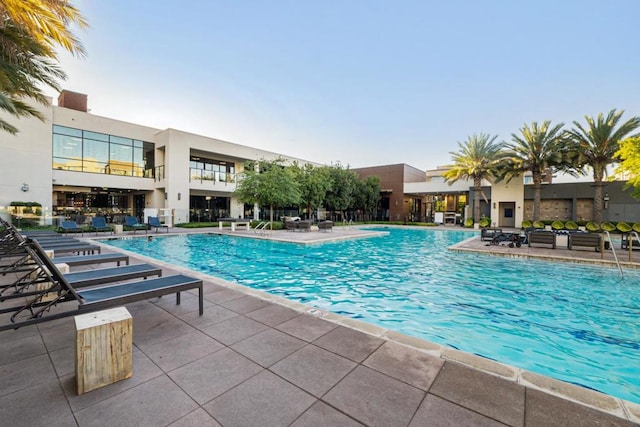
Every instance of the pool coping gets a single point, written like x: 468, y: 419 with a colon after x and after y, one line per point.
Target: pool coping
x: 619, y: 407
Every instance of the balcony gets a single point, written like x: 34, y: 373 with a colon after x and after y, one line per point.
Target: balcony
x: 200, y: 179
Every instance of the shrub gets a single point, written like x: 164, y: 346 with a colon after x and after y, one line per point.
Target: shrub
x: 526, y: 223
x: 636, y: 227
x: 607, y: 226
x: 485, y: 222
x: 538, y: 224
x: 570, y: 225
x: 557, y: 225
x: 623, y: 227
x: 592, y: 226
x: 468, y: 222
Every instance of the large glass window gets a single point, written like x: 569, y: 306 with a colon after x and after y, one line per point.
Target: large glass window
x: 87, y: 151
x: 211, y: 170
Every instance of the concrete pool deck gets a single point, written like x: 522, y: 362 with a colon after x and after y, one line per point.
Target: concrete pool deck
x: 257, y: 359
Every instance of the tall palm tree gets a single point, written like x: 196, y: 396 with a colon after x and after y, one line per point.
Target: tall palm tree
x: 595, y: 146
x: 537, y: 149
x: 30, y: 30
x: 478, y: 158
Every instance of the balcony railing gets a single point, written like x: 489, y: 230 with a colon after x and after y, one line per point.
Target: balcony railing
x: 215, y: 177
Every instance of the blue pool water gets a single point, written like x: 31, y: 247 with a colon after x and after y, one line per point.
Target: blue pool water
x: 574, y: 322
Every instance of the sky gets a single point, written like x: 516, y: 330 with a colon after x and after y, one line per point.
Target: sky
x: 362, y: 83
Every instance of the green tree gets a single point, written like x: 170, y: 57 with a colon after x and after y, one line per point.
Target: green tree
x: 629, y: 156
x: 315, y: 182
x: 30, y: 31
x: 478, y: 158
x: 268, y: 183
x: 367, y: 195
x: 537, y: 149
x: 595, y: 146
x: 340, y: 197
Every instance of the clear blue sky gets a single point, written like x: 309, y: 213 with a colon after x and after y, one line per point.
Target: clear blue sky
x: 361, y: 82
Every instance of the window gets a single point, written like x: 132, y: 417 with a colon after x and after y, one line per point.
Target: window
x: 95, y: 152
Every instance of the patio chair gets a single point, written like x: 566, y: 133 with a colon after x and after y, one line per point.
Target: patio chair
x: 488, y: 233
x: 154, y: 222
x: 70, y: 227
x: 38, y: 309
x: 131, y: 223
x: 99, y: 224
x: 26, y: 285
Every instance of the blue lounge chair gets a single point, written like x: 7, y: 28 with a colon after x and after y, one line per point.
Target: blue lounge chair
x: 70, y: 227
x: 131, y: 223
x: 154, y: 222
x: 99, y: 223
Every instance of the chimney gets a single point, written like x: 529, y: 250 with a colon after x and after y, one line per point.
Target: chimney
x: 73, y: 100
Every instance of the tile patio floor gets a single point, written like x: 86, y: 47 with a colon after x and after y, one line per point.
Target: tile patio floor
x: 250, y: 361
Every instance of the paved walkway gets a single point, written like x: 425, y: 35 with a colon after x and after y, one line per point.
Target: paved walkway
x: 257, y: 360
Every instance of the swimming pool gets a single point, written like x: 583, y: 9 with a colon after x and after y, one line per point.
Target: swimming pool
x: 574, y: 322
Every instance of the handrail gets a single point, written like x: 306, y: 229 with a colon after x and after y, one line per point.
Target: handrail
x: 613, y: 250
x: 262, y: 227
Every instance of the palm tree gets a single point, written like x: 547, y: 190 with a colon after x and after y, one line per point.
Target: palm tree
x: 595, y: 146
x: 537, y: 149
x: 477, y: 159
x: 30, y: 30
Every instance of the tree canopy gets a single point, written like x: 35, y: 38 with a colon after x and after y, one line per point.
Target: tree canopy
x: 268, y: 183
x: 595, y: 146
x: 537, y: 149
x: 30, y: 31
x: 629, y: 156
x: 478, y: 158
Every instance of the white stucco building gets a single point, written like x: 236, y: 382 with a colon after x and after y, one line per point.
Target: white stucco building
x: 77, y: 163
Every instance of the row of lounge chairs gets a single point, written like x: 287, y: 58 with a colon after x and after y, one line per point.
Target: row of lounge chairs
x: 99, y: 224
x: 305, y: 225
x: 41, y: 292
x: 543, y: 237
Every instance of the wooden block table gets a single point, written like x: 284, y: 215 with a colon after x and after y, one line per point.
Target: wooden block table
x: 104, y: 348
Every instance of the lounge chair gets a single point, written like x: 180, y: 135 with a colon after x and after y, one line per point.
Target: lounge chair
x: 35, y: 309
x: 488, y: 233
x: 99, y: 224
x: 92, y: 259
x: 542, y: 237
x: 70, y: 227
x: 131, y: 223
x: 325, y: 225
x: 154, y: 222
x: 25, y: 285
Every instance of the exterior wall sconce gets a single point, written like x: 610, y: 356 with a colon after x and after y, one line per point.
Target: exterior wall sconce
x: 25, y: 187
x: 494, y: 205
x: 179, y: 196
x: 605, y: 199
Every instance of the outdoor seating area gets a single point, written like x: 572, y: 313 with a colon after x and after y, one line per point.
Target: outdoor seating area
x: 297, y: 225
x: 41, y: 286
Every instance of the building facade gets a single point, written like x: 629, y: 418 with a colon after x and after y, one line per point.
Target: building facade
x: 76, y: 164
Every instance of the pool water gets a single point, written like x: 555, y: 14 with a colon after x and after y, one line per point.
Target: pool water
x: 574, y: 322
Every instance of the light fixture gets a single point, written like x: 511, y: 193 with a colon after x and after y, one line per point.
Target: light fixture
x: 25, y: 187
x: 179, y: 196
